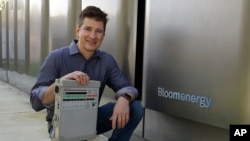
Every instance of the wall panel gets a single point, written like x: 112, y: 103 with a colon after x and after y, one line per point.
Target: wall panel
x: 21, y: 36
x: 196, y: 66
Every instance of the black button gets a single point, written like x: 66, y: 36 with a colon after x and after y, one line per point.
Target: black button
x: 56, y: 89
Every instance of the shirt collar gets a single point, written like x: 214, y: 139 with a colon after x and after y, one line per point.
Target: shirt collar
x: 73, y: 49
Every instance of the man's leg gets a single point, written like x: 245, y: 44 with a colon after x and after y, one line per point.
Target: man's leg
x: 104, y: 123
x: 50, y: 129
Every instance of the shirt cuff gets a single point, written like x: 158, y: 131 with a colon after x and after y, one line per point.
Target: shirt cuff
x: 129, y: 89
x: 40, y: 92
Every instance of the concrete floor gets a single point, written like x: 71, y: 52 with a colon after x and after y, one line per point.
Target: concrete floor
x: 19, y: 122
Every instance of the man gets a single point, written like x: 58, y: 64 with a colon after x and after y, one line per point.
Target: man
x: 83, y: 61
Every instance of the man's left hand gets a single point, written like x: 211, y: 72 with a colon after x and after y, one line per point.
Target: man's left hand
x: 120, y: 115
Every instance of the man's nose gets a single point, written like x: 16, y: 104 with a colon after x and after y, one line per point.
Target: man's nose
x: 93, y: 34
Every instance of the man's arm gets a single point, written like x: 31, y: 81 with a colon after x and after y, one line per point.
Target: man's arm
x: 118, y: 81
x: 45, y: 79
x: 49, y: 94
x: 120, y: 84
x: 128, y: 92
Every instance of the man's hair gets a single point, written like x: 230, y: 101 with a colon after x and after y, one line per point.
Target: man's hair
x: 93, y: 12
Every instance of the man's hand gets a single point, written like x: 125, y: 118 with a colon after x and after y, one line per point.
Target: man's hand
x: 80, y: 77
x: 120, y: 115
x: 49, y: 96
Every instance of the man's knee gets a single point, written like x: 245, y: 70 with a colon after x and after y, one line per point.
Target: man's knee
x: 137, y: 110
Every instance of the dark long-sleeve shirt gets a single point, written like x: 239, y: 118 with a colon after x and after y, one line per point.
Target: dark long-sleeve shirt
x: 101, y: 67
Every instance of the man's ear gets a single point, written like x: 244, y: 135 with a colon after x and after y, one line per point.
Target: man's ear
x: 77, y: 30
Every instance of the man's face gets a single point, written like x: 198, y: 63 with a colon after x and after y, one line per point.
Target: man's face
x: 90, y: 34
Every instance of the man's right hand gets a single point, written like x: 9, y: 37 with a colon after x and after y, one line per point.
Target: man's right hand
x: 49, y: 96
x: 80, y: 77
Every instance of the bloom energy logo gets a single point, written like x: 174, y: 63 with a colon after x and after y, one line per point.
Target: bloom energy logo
x: 202, y: 101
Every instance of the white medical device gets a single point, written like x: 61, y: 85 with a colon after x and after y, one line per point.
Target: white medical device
x: 75, y: 115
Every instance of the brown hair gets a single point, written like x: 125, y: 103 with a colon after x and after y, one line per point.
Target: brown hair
x: 93, y: 12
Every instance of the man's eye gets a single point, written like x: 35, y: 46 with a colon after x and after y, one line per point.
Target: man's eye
x: 87, y: 29
x: 99, y: 31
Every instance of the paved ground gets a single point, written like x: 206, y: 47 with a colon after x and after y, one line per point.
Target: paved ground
x: 19, y: 122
